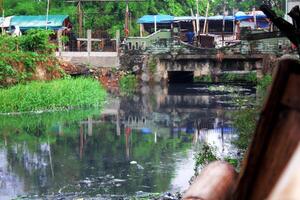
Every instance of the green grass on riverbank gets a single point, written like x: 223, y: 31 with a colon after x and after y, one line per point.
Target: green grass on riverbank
x: 58, y: 94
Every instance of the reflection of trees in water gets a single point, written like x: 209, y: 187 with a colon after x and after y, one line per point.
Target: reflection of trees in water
x: 50, y: 153
x: 103, y: 154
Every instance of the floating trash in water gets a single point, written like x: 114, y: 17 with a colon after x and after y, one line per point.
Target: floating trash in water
x: 140, y: 167
x: 119, y: 180
x: 133, y: 162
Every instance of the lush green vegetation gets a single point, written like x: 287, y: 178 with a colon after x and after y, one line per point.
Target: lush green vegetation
x: 245, y: 119
x: 58, y: 94
x: 110, y: 15
x: 128, y: 83
x: 204, y: 79
x: 30, y: 121
x: 152, y: 64
x: 205, y: 155
x: 21, y: 56
x: 229, y: 77
x: 233, y: 77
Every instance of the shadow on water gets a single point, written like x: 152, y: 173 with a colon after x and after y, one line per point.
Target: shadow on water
x: 138, y: 144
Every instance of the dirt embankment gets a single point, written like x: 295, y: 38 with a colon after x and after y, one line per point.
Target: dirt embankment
x: 108, y: 77
x: 19, y: 72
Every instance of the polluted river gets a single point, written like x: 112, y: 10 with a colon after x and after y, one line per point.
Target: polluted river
x: 137, y: 146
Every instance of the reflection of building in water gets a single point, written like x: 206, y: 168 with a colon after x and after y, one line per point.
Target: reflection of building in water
x: 173, y: 112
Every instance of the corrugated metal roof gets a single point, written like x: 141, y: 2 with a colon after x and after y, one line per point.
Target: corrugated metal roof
x: 149, y: 19
x: 28, y: 22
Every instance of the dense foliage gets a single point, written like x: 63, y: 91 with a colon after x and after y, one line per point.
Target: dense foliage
x: 21, y: 56
x: 128, y: 84
x: 245, y: 120
x: 58, y: 94
x: 110, y: 15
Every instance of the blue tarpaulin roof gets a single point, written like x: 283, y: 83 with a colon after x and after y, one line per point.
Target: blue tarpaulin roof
x: 243, y: 16
x: 220, y: 17
x: 149, y: 19
x: 190, y: 18
x: 55, y: 22
x: 187, y: 18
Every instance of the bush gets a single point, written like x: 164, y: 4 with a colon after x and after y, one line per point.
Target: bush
x: 8, y: 43
x: 204, y: 78
x: 128, y: 83
x: 263, y: 85
x: 19, y: 56
x: 37, y: 41
x: 58, y: 94
x: 245, y: 120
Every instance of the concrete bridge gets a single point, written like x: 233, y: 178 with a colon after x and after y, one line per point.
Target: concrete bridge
x: 187, y: 66
x: 176, y: 60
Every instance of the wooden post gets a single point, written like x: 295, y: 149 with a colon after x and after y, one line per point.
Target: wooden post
x: 2, y: 12
x: 141, y: 30
x: 194, y: 23
x: 233, y: 22
x: 254, y: 17
x: 89, y: 43
x: 80, y: 19
x: 60, y: 46
x: 126, y: 20
x: 197, y: 18
x: 47, y: 13
x: 117, y: 41
x: 223, y: 25
x: 205, y: 22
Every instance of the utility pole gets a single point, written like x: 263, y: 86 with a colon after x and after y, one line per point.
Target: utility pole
x: 197, y: 18
x: 223, y: 24
x: 47, y: 13
x: 80, y: 12
x: 205, y: 27
x: 80, y: 19
x: 2, y: 11
x: 126, y: 20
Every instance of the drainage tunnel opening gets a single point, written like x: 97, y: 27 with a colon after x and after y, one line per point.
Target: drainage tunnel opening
x: 180, y: 76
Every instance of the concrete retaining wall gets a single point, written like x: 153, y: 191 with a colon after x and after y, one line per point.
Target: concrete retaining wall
x: 94, y: 59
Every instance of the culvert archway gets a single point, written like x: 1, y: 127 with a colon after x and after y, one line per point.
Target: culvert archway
x: 180, y: 76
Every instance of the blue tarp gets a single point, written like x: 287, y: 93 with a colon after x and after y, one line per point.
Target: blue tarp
x: 240, y: 16
x: 55, y: 22
x: 187, y: 18
x: 149, y: 19
x: 160, y: 19
x: 220, y: 17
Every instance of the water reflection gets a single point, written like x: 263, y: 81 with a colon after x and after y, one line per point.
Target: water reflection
x: 143, y: 142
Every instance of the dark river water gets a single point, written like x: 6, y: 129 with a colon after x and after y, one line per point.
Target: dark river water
x: 137, y: 144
